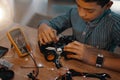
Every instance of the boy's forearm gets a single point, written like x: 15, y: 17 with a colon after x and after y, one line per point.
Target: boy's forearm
x: 110, y: 60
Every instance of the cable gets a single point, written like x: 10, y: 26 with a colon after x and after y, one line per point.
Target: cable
x: 31, y: 75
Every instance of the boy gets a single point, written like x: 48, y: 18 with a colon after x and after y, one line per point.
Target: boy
x: 93, y: 24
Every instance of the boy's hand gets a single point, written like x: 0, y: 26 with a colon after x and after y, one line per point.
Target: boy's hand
x: 46, y: 34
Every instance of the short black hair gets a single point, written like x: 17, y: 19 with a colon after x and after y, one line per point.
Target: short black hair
x: 102, y: 3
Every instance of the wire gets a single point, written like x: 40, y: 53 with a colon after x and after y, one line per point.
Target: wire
x: 37, y: 68
x: 30, y: 75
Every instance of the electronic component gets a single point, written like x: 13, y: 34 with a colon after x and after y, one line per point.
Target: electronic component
x: 19, y: 42
x: 5, y: 63
x: 53, y: 51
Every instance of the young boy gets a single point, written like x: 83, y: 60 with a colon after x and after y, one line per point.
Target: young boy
x: 93, y: 24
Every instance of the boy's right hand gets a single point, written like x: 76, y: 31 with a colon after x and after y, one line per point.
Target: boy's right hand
x: 46, y: 34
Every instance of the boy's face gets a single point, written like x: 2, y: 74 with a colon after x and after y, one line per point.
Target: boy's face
x: 89, y: 10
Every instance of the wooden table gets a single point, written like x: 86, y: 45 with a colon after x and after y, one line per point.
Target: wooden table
x: 49, y: 71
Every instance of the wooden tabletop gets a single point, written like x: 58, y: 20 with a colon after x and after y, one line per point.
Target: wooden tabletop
x: 49, y: 71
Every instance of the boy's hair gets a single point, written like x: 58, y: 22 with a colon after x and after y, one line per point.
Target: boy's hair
x: 102, y: 3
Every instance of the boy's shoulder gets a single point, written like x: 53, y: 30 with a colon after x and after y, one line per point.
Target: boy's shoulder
x: 114, y: 16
